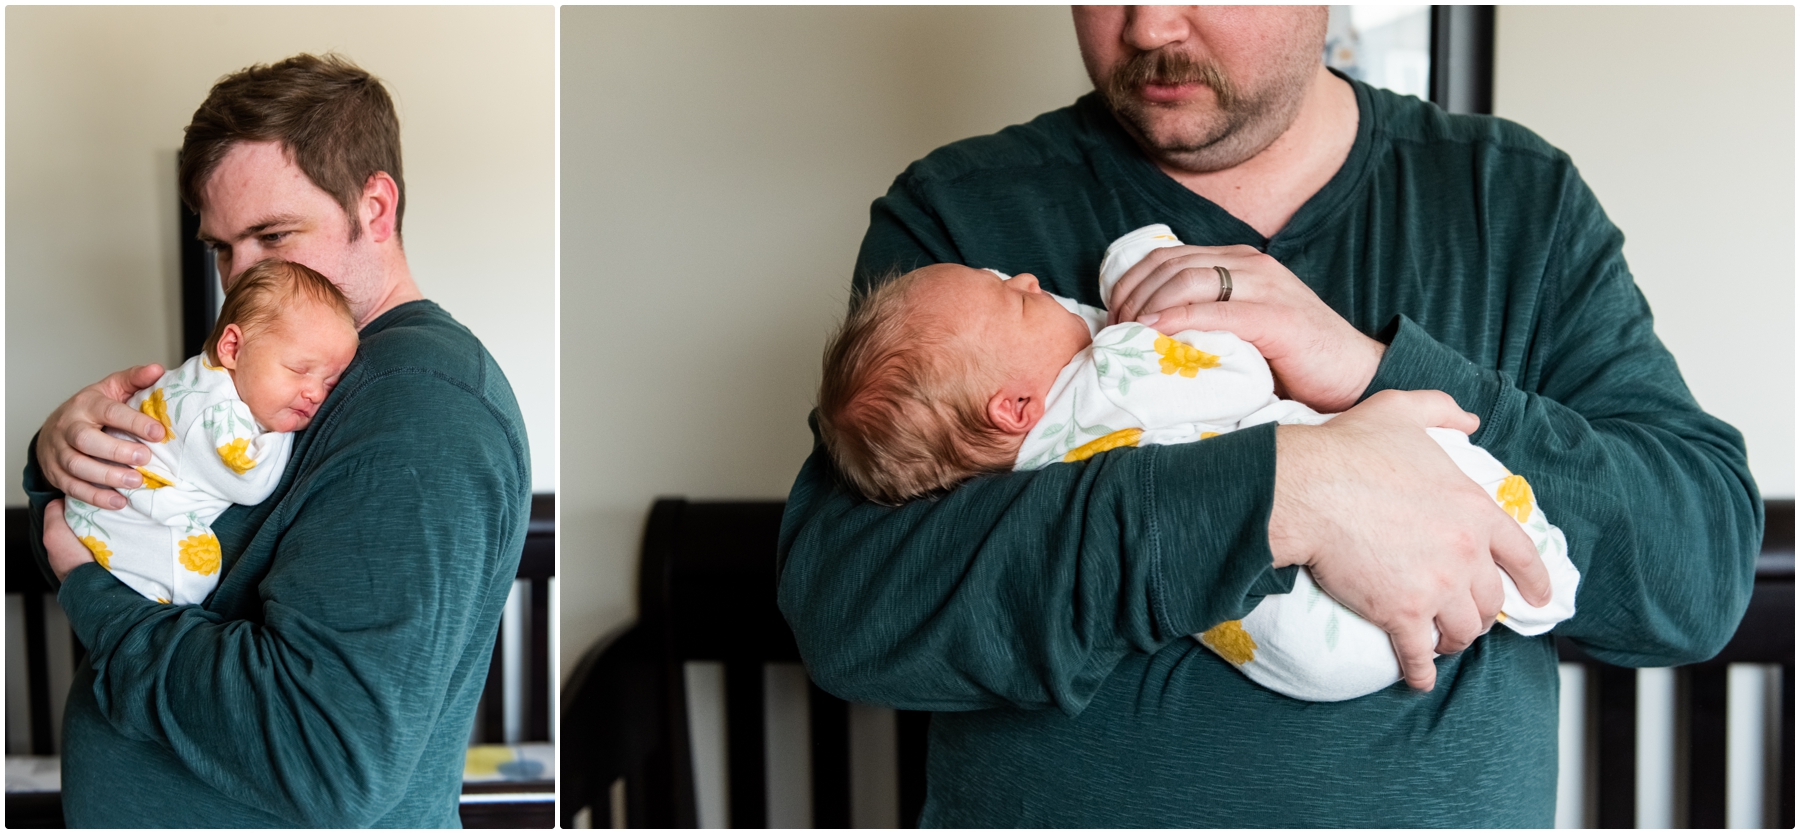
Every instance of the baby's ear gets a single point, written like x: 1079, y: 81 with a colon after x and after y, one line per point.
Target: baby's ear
x: 1013, y: 412
x: 230, y: 342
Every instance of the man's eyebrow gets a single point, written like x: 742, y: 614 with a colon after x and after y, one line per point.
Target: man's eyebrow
x: 255, y: 228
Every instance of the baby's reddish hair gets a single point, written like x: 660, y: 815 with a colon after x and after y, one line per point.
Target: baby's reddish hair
x: 902, y: 405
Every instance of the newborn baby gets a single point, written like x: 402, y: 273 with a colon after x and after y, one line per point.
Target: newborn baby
x: 949, y: 372
x: 284, y: 335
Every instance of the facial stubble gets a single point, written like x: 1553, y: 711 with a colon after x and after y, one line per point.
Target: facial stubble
x: 1241, y: 124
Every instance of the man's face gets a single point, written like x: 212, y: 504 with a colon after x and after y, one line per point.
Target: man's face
x: 258, y: 204
x: 1202, y: 88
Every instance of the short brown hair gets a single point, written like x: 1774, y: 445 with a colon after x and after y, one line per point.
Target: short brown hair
x: 261, y: 292
x: 335, y: 121
x: 901, y: 411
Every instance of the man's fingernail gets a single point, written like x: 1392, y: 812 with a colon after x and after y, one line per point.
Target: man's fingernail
x: 117, y: 502
x: 139, y: 457
x: 1149, y: 319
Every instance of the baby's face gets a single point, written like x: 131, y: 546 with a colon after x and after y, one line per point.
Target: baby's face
x: 284, y: 369
x: 1013, y: 321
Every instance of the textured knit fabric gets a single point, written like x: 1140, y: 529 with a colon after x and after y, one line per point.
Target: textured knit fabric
x: 1042, y: 614
x: 331, y: 681
x: 213, y: 454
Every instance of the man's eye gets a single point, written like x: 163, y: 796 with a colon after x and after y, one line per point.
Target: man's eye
x: 273, y: 237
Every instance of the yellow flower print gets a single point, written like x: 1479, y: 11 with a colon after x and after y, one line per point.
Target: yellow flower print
x: 155, y: 407
x: 1231, y: 641
x: 100, y: 551
x: 1208, y: 435
x: 153, y: 480
x: 161, y: 600
x: 1514, y: 496
x: 1184, y: 359
x: 235, y: 457
x: 1122, y: 437
x: 200, y: 554
x: 207, y: 364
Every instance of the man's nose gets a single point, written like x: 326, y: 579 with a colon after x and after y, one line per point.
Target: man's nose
x: 1150, y: 27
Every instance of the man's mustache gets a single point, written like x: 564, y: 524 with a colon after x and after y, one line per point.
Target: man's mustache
x: 1168, y: 67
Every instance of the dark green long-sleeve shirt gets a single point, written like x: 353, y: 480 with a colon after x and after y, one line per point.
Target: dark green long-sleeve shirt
x: 332, y: 678
x: 1044, y: 614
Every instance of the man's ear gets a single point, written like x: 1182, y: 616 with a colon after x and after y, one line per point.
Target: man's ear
x: 380, y: 207
x: 230, y: 343
x: 1014, y: 412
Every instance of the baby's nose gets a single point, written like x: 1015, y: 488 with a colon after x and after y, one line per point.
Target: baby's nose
x: 1025, y: 282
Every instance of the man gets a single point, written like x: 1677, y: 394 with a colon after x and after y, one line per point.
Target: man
x: 332, y: 678
x: 1405, y: 267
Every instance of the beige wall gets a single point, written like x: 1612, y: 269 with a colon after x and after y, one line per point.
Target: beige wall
x: 1681, y: 118
x: 717, y: 169
x: 95, y: 102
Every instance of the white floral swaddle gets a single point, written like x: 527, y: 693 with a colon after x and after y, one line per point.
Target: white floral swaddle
x: 213, y: 455
x: 1134, y: 386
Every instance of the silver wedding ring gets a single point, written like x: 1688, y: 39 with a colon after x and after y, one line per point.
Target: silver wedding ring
x: 1224, y: 283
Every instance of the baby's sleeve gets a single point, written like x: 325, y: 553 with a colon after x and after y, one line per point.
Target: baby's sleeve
x: 1205, y: 377
x: 227, y: 455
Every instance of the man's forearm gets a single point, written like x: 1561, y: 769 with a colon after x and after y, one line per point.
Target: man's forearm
x: 38, y: 495
x: 1654, y: 495
x: 1025, y: 589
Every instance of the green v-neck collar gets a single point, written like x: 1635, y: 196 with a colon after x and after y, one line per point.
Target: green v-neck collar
x: 1199, y: 220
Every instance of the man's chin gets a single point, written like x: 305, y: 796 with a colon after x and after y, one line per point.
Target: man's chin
x: 1172, y: 130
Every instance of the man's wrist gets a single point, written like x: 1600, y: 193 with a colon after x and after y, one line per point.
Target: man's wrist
x: 1293, y: 446
x: 1374, y: 350
x: 1210, y: 536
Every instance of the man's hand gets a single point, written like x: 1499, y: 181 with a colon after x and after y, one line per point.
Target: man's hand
x: 1318, y: 358
x: 1393, y: 529
x: 66, y: 552
x: 78, y: 456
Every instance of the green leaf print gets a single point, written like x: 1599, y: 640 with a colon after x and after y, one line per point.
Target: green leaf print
x: 83, y: 522
x: 174, y: 394
x: 222, y: 419
x: 1331, y: 631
